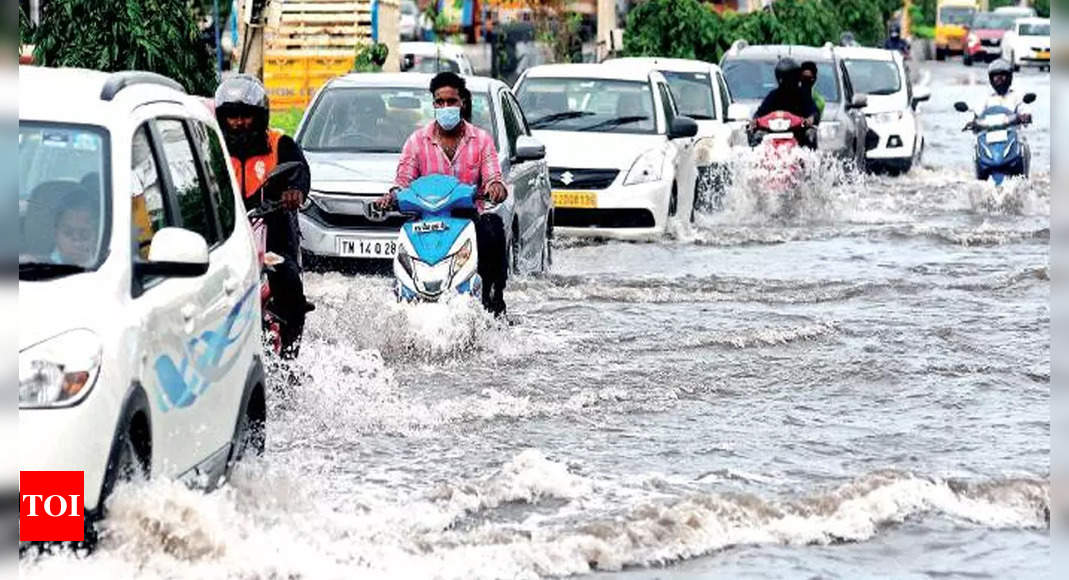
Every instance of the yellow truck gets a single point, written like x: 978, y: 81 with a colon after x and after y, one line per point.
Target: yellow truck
x: 953, y: 18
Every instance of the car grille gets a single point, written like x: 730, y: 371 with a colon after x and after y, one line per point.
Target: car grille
x: 338, y: 220
x: 582, y: 178
x: 602, y: 218
x: 990, y: 41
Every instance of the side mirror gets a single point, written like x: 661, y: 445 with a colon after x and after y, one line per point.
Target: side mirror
x: 529, y: 149
x: 739, y: 112
x: 859, y: 102
x: 1029, y: 98
x: 279, y: 174
x: 175, y: 253
x: 921, y: 94
x: 961, y: 107
x: 682, y: 127
x: 407, y: 62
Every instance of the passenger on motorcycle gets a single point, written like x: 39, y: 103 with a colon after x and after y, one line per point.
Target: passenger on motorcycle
x: 809, y: 79
x: 791, y: 96
x: 1000, y: 75
x: 450, y: 145
x: 896, y: 42
x: 241, y: 106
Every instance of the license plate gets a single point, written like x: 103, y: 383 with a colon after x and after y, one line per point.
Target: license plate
x: 1043, y: 54
x: 359, y: 248
x: 580, y: 199
x: 998, y: 136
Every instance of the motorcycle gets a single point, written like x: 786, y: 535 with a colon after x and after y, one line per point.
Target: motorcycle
x: 436, y: 252
x: 777, y: 133
x: 1001, y: 150
x: 257, y: 215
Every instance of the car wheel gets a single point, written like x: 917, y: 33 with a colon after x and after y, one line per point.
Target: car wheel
x: 128, y: 461
x: 940, y: 53
x: 514, y: 248
x: 673, y: 202
x: 966, y: 59
x: 547, y: 245
x: 250, y: 432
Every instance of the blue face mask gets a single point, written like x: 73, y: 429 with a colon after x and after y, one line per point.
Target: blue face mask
x: 448, y: 117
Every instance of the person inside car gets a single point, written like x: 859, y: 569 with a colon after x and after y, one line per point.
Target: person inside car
x: 76, y: 230
x: 790, y: 96
x: 450, y: 145
x: 241, y: 106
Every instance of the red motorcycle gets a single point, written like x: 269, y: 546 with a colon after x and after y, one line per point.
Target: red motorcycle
x: 778, y: 133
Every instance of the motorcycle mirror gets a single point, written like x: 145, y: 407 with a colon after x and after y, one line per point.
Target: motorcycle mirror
x: 961, y: 107
x: 1029, y: 98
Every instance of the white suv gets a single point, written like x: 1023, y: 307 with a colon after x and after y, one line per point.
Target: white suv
x: 139, y: 311
x: 621, y: 157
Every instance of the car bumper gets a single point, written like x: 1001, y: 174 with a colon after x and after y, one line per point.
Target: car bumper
x: 984, y: 51
x: 76, y: 438
x: 633, y: 212
x: 897, y: 140
x: 322, y: 239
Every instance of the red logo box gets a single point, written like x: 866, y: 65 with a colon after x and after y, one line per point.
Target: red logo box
x: 51, y: 506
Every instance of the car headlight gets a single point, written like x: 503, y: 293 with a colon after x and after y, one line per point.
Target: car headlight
x: 830, y: 131
x: 60, y: 371
x: 460, y: 258
x: 888, y: 117
x: 646, y: 168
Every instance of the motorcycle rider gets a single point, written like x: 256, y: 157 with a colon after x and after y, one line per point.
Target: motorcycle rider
x: 241, y: 106
x: 451, y: 145
x: 1000, y: 75
x: 895, y: 41
x: 790, y: 96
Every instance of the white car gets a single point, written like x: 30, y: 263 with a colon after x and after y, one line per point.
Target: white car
x: 891, y: 111
x: 1016, y: 11
x: 1028, y: 43
x: 409, y: 25
x: 434, y: 57
x: 619, y: 152
x: 701, y: 93
x: 139, y: 330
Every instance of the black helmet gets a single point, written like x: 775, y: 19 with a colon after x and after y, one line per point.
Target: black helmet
x: 895, y: 30
x: 1000, y: 75
x: 243, y: 96
x: 787, y: 70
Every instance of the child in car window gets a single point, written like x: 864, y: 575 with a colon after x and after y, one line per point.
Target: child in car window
x: 76, y: 230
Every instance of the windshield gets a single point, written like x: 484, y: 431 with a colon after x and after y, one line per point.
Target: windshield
x: 1035, y: 29
x: 874, y: 77
x: 376, y: 119
x: 433, y: 65
x: 959, y: 15
x: 409, y: 8
x: 989, y: 21
x: 693, y: 93
x: 599, y: 105
x: 63, y: 206
x: 754, y: 79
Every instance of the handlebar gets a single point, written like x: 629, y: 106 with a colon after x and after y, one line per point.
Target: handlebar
x: 264, y: 209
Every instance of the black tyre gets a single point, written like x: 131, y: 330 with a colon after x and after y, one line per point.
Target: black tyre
x: 673, y: 202
x: 129, y: 460
x: 547, y: 245
x: 966, y: 59
x: 940, y: 53
x: 250, y: 432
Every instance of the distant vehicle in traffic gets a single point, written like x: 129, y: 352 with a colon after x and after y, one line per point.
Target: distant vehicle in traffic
x: 139, y: 311
x: 891, y: 112
x: 1017, y: 11
x: 409, y: 25
x: 352, y: 135
x: 984, y: 42
x: 1028, y: 43
x: 952, y: 18
x: 701, y: 93
x: 1001, y: 150
x: 434, y: 57
x: 619, y: 151
x: 843, y: 130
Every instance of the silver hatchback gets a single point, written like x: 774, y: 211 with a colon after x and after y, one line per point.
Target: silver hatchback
x: 352, y: 135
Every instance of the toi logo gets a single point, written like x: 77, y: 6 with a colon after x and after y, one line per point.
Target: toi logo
x: 51, y: 506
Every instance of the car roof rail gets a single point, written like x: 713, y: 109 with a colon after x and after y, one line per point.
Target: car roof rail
x: 120, y: 80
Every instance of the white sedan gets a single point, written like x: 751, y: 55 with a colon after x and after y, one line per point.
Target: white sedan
x: 891, y: 112
x: 1028, y: 43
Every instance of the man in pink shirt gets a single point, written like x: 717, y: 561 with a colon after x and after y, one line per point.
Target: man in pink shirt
x: 452, y: 146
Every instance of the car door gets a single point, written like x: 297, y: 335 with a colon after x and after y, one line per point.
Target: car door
x: 182, y: 315
x: 517, y: 175
x: 532, y: 209
x: 684, y: 153
x: 856, y: 126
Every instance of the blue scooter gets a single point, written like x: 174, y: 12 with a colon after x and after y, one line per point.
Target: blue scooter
x: 436, y: 252
x: 1001, y: 150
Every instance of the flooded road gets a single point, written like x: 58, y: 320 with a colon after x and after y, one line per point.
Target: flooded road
x: 862, y: 391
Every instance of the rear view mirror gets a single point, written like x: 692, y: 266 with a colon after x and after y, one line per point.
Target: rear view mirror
x: 406, y: 103
x: 529, y: 149
x: 961, y: 107
x: 738, y: 112
x: 175, y: 253
x: 407, y: 62
x: 1029, y: 98
x: 682, y: 127
x: 921, y: 94
x: 281, y: 174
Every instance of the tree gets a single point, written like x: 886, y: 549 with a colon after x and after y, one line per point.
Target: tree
x: 671, y: 28
x: 154, y: 35
x: 865, y: 18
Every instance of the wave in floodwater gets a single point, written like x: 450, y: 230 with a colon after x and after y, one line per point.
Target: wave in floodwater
x: 533, y: 516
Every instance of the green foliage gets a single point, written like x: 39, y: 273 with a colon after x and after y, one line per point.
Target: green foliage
x: 287, y: 121
x: 1042, y: 8
x: 925, y: 12
x: 25, y: 27
x: 865, y: 18
x: 922, y: 31
x: 153, y: 35
x: 370, y: 57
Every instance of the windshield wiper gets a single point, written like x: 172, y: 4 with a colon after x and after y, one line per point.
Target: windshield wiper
x: 615, y: 122
x: 883, y: 92
x: 562, y: 116
x: 45, y: 270
x: 700, y: 117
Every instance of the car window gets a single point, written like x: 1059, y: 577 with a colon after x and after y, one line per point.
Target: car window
x: 432, y: 64
x: 524, y: 126
x: 956, y: 15
x: 848, y: 85
x: 989, y: 21
x: 693, y: 93
x: 376, y: 119
x: 874, y: 77
x: 188, y: 190
x: 217, y: 167
x: 63, y: 194
x: 1034, y: 29
x: 751, y: 79
x: 578, y: 104
x: 725, y: 96
x: 148, y: 212
x: 513, y: 129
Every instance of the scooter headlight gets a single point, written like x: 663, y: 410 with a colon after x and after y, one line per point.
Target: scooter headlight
x: 405, y: 261
x: 460, y: 258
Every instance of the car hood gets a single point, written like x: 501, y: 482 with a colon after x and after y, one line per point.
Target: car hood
x: 352, y: 172
x: 885, y: 103
x: 595, y: 150
x: 46, y: 309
